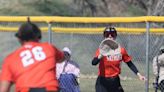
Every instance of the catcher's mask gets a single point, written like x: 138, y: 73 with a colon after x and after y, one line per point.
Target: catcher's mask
x: 110, y: 31
x: 28, y: 31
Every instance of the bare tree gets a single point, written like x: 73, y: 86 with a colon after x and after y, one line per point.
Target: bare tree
x: 85, y: 5
x: 149, y: 7
x: 91, y: 6
x: 159, y: 9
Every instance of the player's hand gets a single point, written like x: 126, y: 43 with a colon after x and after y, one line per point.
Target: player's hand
x: 100, y: 56
x: 143, y: 78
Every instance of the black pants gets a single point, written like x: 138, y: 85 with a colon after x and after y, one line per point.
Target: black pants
x: 161, y: 86
x: 108, y: 84
x: 39, y: 90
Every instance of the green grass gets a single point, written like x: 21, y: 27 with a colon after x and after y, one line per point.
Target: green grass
x: 87, y: 85
x: 134, y: 85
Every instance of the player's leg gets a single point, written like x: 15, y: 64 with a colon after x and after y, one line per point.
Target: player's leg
x: 118, y: 85
x: 114, y: 84
x: 99, y: 85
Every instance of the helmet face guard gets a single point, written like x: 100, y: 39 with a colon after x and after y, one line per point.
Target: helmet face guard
x: 110, y: 31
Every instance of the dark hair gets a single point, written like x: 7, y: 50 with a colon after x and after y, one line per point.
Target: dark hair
x: 110, y: 31
x: 29, y: 31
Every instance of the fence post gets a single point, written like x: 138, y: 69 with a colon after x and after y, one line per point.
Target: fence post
x: 49, y: 32
x: 147, y: 55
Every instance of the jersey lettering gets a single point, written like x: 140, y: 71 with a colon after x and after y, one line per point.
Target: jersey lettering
x: 26, y: 56
x: 115, y: 57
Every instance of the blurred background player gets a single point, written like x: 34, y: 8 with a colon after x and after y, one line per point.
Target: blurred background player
x: 158, y: 69
x: 32, y: 66
x: 68, y: 74
x: 109, y: 66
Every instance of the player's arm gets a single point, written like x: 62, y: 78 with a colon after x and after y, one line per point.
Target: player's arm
x: 132, y: 67
x: 63, y: 56
x: 135, y: 70
x: 5, y: 86
x: 155, y: 67
x: 127, y: 60
x: 5, y: 77
x: 96, y: 60
x: 76, y: 68
x: 60, y: 55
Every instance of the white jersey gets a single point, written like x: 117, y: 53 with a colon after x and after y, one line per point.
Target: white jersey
x: 71, y: 67
x: 161, y: 63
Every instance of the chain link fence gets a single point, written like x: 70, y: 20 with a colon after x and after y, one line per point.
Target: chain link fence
x: 83, y: 47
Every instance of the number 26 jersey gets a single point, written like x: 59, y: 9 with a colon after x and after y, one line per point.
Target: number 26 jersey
x: 32, y: 65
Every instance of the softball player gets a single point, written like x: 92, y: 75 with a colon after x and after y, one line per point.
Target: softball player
x: 109, y: 66
x: 158, y: 70
x: 32, y: 67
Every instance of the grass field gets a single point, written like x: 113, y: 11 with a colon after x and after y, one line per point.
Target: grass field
x: 135, y: 85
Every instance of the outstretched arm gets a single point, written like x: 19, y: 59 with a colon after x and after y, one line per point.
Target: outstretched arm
x: 135, y: 70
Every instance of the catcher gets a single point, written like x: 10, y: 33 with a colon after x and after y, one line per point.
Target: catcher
x: 109, y: 56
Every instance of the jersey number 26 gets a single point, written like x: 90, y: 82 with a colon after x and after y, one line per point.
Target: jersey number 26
x: 28, y: 57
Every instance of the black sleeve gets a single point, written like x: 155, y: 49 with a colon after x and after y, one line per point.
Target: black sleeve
x: 95, y: 61
x: 132, y: 67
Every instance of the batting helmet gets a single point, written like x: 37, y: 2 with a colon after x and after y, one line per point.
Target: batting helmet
x: 29, y: 31
x: 110, y: 31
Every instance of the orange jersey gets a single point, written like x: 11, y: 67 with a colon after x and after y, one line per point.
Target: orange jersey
x: 110, y: 65
x: 32, y: 65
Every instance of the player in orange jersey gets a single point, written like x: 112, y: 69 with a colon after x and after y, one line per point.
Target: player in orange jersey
x: 32, y: 67
x: 109, y: 66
